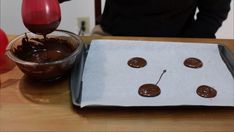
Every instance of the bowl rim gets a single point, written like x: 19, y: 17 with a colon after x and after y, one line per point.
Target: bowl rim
x: 20, y: 61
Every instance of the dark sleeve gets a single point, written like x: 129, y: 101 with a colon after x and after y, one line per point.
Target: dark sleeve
x: 61, y: 1
x: 210, y: 17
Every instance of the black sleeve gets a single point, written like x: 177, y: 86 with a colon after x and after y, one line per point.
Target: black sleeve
x: 61, y: 1
x: 210, y: 17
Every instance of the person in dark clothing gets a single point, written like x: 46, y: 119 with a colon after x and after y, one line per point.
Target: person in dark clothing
x: 61, y: 1
x: 164, y: 18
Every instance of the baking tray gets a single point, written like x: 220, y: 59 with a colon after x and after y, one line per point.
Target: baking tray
x: 77, y: 71
x: 76, y: 76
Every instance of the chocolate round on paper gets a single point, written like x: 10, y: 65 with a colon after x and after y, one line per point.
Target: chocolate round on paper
x: 193, y: 63
x: 206, y: 91
x: 149, y: 90
x: 137, y: 62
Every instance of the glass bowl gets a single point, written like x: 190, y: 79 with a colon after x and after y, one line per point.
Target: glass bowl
x: 45, y: 59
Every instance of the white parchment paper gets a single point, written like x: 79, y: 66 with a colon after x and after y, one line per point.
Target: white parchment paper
x: 109, y: 81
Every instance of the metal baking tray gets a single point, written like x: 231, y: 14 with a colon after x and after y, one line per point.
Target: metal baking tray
x: 77, y: 71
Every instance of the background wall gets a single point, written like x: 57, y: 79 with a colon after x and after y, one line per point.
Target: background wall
x: 227, y: 30
x: 11, y: 22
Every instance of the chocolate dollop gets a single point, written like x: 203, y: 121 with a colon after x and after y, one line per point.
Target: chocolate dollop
x: 137, y: 62
x: 206, y: 91
x: 193, y: 63
x: 149, y: 90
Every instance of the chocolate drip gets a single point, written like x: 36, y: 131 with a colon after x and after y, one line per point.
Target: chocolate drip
x: 150, y: 90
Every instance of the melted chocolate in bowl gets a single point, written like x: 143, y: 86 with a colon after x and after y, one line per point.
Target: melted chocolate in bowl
x: 43, y: 51
x: 149, y: 90
x: 137, y: 62
x: 206, y: 91
x: 193, y: 63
